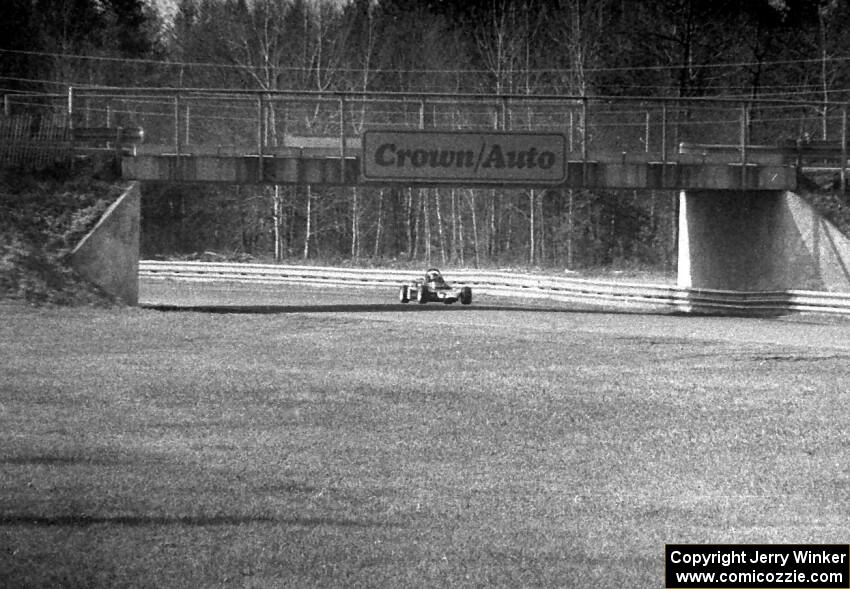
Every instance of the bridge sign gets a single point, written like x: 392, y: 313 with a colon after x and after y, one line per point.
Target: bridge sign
x: 468, y: 157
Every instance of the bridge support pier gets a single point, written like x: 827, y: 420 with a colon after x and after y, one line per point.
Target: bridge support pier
x: 108, y: 255
x: 758, y: 241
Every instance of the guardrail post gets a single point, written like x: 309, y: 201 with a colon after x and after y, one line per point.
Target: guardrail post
x: 664, y: 132
x: 646, y: 134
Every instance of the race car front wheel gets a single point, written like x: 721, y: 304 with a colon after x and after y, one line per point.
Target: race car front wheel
x: 465, y: 295
x: 422, y: 295
x: 403, y: 296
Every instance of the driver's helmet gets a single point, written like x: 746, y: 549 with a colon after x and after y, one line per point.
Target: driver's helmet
x: 433, y: 276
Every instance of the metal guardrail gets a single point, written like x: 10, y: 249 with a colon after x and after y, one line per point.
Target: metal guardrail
x: 592, y: 292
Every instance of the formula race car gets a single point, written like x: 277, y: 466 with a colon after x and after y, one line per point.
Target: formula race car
x: 434, y: 288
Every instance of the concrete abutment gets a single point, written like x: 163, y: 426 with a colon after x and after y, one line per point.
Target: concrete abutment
x: 108, y: 255
x: 758, y: 241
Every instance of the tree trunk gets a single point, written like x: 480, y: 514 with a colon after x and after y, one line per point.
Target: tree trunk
x: 532, y: 206
x: 355, y: 224
x: 290, y: 220
x: 570, y: 228
x: 453, y: 204
x: 379, y: 230
x: 474, y: 228
x: 541, y: 230
x: 652, y: 220
x: 308, y: 229
x: 426, y: 217
x: 598, y: 240
x: 507, y: 243
x: 278, y: 223
x: 493, y: 238
x: 410, y: 223
x: 823, y: 75
x: 461, y: 237
x: 439, y: 211
x: 417, y: 224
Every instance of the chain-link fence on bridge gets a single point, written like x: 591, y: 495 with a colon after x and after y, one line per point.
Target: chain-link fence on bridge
x: 208, y: 121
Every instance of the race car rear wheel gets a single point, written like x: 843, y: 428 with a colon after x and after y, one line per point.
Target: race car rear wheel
x: 403, y: 295
x: 422, y: 294
x: 465, y: 295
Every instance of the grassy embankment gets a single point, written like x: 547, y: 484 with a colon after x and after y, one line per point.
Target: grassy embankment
x: 41, y: 220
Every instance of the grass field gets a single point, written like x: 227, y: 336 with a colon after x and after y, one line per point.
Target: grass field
x: 316, y: 442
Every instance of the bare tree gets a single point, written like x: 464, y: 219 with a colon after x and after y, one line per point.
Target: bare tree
x: 503, y: 37
x: 438, y: 209
x: 379, y: 225
x: 308, y: 233
x: 471, y: 196
x: 355, y: 224
x: 277, y: 221
x: 826, y: 10
x: 458, y: 238
x: 426, y: 218
x: 532, y: 207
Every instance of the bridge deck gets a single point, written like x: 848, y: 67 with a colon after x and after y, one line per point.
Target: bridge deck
x: 326, y: 164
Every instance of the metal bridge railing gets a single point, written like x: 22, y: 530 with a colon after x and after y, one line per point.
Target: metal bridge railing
x: 257, y: 119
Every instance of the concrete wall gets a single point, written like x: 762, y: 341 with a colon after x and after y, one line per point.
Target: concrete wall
x: 759, y: 241
x: 108, y: 255
x: 815, y: 242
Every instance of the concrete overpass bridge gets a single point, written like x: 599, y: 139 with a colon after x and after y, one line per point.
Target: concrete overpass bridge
x: 251, y: 137
x: 734, y: 163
